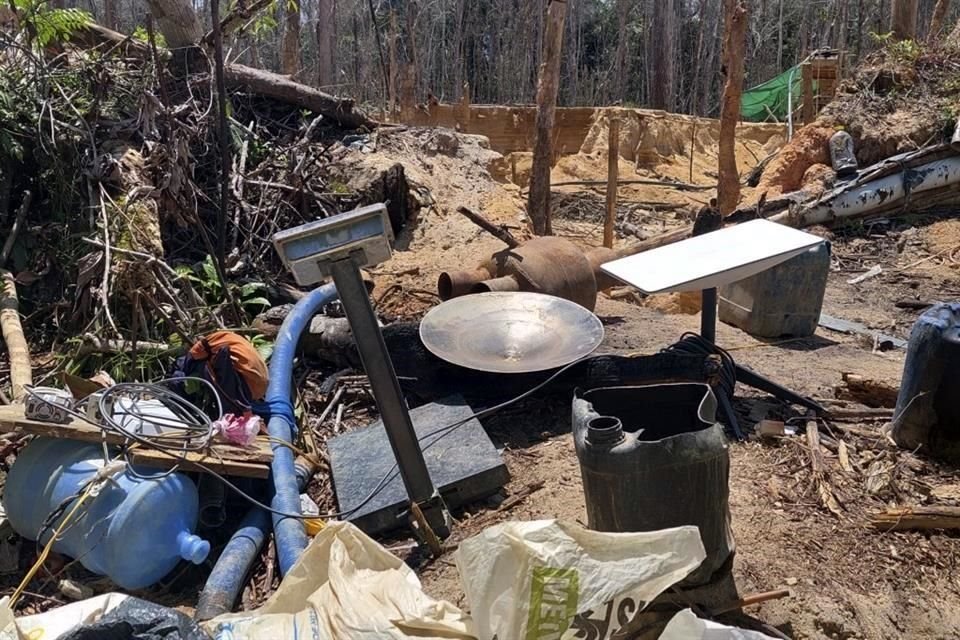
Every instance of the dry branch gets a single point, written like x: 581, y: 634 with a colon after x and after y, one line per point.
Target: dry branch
x: 904, y: 519
x: 500, y: 233
x: 15, y: 230
x: 21, y: 373
x: 821, y: 483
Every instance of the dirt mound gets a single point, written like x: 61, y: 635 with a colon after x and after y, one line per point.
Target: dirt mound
x: 942, y: 237
x: 899, y: 99
x: 661, y: 142
x: 785, y: 172
x: 442, y: 169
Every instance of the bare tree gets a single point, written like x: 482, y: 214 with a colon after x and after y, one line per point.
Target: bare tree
x: 290, y: 46
x: 620, y: 54
x: 662, y: 58
x: 936, y: 21
x: 326, y: 41
x: 903, y: 19
x: 538, y: 206
x: 735, y: 33
x: 177, y: 21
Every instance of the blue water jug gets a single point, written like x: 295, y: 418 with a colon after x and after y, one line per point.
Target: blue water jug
x: 133, y: 530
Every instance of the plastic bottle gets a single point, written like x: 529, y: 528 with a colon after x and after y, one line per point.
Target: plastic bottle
x: 133, y: 531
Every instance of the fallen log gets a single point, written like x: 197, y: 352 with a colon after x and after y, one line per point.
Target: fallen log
x: 21, y: 374
x: 265, y: 83
x: 913, y: 518
x: 282, y: 88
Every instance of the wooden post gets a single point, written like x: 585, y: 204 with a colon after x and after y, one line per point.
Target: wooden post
x: 463, y: 119
x: 538, y: 205
x: 613, y: 170
x: 809, y: 100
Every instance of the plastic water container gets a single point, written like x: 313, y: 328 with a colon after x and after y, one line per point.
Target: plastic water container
x: 783, y: 301
x: 652, y: 457
x: 928, y: 414
x: 133, y: 531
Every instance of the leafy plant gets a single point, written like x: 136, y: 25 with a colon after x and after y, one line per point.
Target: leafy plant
x: 141, y: 34
x: 250, y: 295
x: 48, y: 24
x: 903, y: 51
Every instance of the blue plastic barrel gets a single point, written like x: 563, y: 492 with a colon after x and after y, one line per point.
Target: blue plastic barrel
x: 928, y: 414
x: 133, y: 531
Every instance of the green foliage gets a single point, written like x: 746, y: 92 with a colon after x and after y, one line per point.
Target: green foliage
x: 250, y: 295
x: 338, y: 187
x: 903, y: 51
x: 141, y: 34
x: 50, y: 25
x: 266, y: 22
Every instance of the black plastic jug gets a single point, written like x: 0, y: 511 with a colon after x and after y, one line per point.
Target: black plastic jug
x: 653, y: 457
x: 928, y: 412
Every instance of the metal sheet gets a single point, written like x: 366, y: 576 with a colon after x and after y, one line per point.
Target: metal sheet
x: 510, y: 332
x: 713, y: 259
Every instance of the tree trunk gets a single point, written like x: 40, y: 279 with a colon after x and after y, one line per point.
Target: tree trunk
x: 903, y: 19
x: 538, y: 207
x: 662, y: 68
x: 939, y: 15
x: 735, y: 40
x: 326, y: 42
x: 392, y: 96
x: 110, y: 13
x: 620, y: 53
x: 290, y: 46
x: 177, y: 21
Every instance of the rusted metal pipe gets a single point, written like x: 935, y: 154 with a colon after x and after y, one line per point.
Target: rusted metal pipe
x: 453, y: 284
x: 505, y: 283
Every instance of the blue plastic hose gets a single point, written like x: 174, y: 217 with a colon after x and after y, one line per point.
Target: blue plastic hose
x: 226, y: 579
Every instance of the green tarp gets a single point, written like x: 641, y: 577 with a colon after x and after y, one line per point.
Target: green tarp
x: 767, y: 102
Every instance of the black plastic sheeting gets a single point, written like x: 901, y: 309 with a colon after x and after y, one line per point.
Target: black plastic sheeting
x: 136, y: 619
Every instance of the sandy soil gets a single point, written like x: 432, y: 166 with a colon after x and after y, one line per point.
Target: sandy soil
x: 847, y: 581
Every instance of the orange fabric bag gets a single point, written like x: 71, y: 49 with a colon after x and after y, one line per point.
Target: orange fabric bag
x: 243, y: 355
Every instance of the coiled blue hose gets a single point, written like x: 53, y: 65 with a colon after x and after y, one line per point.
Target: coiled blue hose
x: 226, y: 579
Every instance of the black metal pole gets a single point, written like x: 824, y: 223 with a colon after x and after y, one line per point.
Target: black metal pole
x: 386, y: 390
x: 708, y: 315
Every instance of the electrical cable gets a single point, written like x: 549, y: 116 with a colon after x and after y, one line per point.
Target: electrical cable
x: 391, y: 474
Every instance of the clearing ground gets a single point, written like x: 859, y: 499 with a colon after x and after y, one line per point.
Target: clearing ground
x: 847, y: 580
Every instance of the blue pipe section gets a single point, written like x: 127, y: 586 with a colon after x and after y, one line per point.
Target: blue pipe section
x: 226, y: 581
x: 290, y: 536
x: 227, y: 578
x: 228, y: 575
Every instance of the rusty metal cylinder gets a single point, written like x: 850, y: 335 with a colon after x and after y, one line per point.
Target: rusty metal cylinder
x: 506, y: 283
x: 453, y: 284
x: 544, y: 265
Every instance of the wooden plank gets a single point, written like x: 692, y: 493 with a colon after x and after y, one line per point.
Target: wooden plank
x: 916, y: 518
x: 223, y: 458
